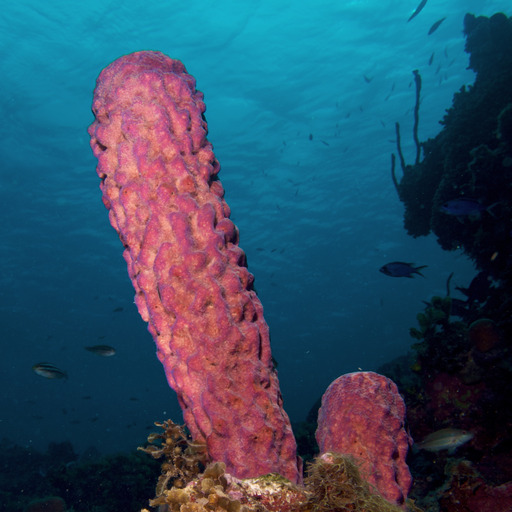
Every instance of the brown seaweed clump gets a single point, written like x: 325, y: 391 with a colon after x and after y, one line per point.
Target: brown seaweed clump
x: 217, y: 491
x: 335, y: 484
x: 184, y: 458
x: 188, y: 484
x: 206, y: 493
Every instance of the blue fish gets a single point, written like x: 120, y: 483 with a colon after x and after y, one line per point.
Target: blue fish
x: 465, y: 207
x: 418, y: 9
x: 401, y: 269
x: 435, y: 26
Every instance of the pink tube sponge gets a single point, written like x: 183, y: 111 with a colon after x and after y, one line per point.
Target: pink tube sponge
x: 159, y: 181
x: 363, y: 414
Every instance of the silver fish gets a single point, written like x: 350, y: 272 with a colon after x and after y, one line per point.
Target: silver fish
x: 49, y: 371
x: 445, y: 439
x: 102, y: 350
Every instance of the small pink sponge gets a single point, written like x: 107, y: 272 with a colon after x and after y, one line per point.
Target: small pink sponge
x: 363, y: 414
x: 159, y: 181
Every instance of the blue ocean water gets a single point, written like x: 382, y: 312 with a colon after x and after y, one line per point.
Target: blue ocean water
x: 301, y: 100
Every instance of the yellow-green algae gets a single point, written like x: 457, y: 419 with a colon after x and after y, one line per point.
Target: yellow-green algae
x: 333, y: 483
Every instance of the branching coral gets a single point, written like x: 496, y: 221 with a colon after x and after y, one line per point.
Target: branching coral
x: 207, y: 493
x: 184, y: 458
x: 407, y: 168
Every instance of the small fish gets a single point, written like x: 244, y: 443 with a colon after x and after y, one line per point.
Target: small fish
x: 401, y: 269
x: 49, y: 371
x: 465, y: 207
x: 445, y: 439
x: 418, y: 9
x: 102, y: 350
x: 367, y: 79
x: 479, y: 290
x: 431, y: 59
x: 435, y: 26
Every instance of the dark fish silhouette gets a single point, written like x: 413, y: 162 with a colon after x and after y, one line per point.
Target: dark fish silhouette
x: 479, y: 289
x: 435, y: 26
x: 418, y: 9
x: 102, y: 350
x: 49, y: 371
x: 401, y: 269
x: 465, y: 207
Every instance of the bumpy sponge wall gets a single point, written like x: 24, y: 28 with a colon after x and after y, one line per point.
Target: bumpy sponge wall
x: 363, y: 415
x: 159, y: 181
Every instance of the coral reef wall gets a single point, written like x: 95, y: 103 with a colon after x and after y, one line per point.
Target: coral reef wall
x: 471, y: 157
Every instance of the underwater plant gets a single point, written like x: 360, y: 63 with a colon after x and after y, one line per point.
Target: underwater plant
x: 435, y: 316
x: 333, y: 484
x: 184, y: 459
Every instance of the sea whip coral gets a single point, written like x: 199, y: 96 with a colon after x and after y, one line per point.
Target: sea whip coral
x: 159, y: 181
